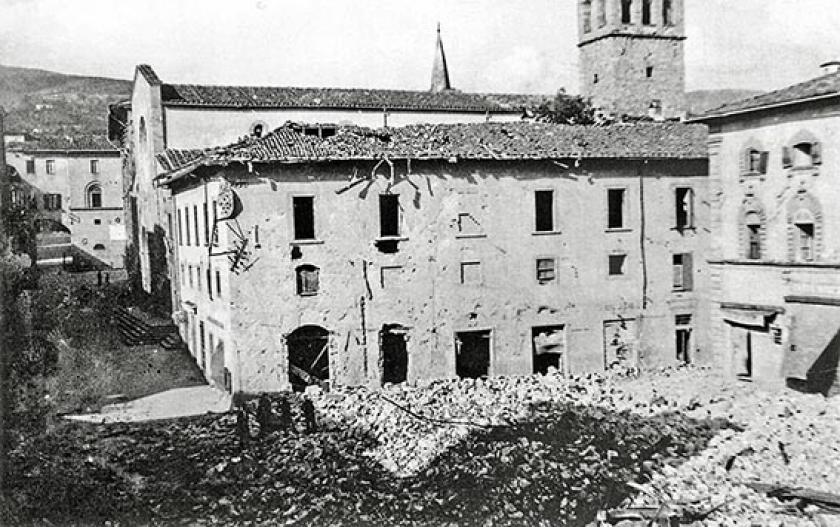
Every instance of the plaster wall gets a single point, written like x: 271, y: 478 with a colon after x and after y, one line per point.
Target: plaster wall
x: 422, y: 288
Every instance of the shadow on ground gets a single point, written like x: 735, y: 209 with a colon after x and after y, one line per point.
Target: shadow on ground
x: 557, y: 470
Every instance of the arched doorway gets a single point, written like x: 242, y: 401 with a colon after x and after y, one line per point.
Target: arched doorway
x: 394, y: 352
x: 309, y: 361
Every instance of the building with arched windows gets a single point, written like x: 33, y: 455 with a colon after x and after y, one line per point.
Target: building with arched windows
x: 775, y: 255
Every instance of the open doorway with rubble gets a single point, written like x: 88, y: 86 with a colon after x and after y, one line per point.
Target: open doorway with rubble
x: 620, y: 340
x: 394, y: 353
x: 309, y: 362
x: 549, y: 348
x: 472, y: 354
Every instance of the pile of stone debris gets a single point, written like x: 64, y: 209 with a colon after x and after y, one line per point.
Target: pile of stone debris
x: 782, y: 439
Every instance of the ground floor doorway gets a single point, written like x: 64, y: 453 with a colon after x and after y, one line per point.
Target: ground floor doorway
x: 548, y: 345
x: 620, y: 340
x: 472, y: 354
x: 392, y: 346
x: 308, y: 350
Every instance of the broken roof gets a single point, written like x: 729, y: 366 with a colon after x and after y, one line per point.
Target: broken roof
x: 80, y: 143
x: 820, y: 87
x: 211, y: 96
x: 480, y: 141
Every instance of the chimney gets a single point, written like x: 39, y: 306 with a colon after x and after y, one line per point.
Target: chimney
x: 830, y: 67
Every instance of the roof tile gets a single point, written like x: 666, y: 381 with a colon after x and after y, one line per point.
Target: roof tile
x: 824, y: 85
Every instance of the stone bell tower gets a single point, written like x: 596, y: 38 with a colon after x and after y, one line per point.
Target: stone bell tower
x: 632, y: 56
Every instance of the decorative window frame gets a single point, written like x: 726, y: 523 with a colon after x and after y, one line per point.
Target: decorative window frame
x: 805, y: 202
x: 788, y: 152
x: 751, y: 205
x: 745, y: 156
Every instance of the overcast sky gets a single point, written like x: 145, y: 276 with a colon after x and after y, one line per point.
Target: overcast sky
x: 491, y: 45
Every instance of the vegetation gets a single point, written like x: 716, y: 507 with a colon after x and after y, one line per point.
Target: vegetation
x: 566, y: 109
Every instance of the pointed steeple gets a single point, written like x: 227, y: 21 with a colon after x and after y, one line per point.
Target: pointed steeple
x: 440, y: 73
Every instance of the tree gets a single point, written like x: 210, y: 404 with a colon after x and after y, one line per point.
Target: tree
x: 566, y: 109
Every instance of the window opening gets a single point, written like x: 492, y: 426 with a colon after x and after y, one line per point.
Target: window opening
x: 626, y: 9
x: 544, y: 210
x: 206, y: 224
x: 97, y: 221
x: 180, y: 229
x: 805, y: 235
x: 187, y: 223
x: 754, y: 235
x: 683, y: 272
x: 99, y: 247
x: 195, y: 224
x: 389, y: 215
x: 303, y: 209
x: 646, y: 12
x: 587, y: 16
x: 549, y: 348
x: 392, y: 345
x: 472, y: 354
x: 30, y: 166
x: 602, y: 12
x: 684, y: 203
x: 50, y: 166
x: 667, y: 12
x: 615, y: 208
x: 649, y: 72
x: 546, y: 272
x: 307, y: 280
x: 683, y: 338
x: 94, y: 166
x: 218, y: 283
x: 94, y: 195
x: 617, y: 264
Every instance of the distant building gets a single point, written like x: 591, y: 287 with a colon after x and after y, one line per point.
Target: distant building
x: 163, y: 116
x: 632, y: 56
x: 440, y: 251
x: 76, y: 187
x: 775, y: 257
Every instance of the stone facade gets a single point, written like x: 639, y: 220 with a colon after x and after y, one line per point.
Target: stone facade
x: 456, y: 289
x: 775, y: 262
x: 89, y: 183
x: 630, y: 64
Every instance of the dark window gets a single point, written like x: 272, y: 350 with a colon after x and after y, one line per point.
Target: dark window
x: 587, y: 16
x: 389, y: 215
x: 683, y: 338
x: 206, y: 225
x: 626, y: 10
x: 191, y: 275
x: 180, y: 229
x: 649, y: 72
x: 646, y: 12
x: 97, y: 221
x: 187, y: 223
x: 756, y: 161
x: 209, y: 283
x: 30, y: 166
x: 195, y: 224
x: 667, y: 13
x: 50, y: 166
x: 328, y: 131
x: 683, y: 272
x: 94, y: 166
x: 595, y: 79
x: 198, y: 278
x: 805, y: 240
x: 754, y: 237
x: 52, y: 201
x: 257, y: 130
x: 307, y: 280
x: 203, y: 349
x: 544, y: 210
x: 616, y: 264
x: 684, y: 205
x: 218, y: 284
x: 546, y: 272
x: 94, y: 197
x: 98, y: 247
x: 615, y: 208
x: 303, y: 209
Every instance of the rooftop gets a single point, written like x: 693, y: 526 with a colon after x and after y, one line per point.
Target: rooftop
x: 86, y: 143
x: 195, y: 95
x: 482, y: 141
x: 823, y: 86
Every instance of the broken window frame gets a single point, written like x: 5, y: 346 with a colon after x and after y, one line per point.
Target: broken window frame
x: 547, y: 272
x: 559, y: 351
x: 805, y: 241
x: 307, y: 280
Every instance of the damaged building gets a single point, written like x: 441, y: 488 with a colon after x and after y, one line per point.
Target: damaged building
x: 774, y: 258
x: 438, y: 251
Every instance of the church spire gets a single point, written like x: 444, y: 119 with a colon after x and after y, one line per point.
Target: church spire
x: 440, y: 73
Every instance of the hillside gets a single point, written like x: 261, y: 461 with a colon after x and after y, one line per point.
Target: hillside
x: 50, y: 103
x: 701, y: 101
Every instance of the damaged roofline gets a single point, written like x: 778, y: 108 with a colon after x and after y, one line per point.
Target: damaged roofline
x: 724, y: 115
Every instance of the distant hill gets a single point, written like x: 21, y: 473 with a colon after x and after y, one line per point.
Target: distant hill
x: 48, y: 103
x: 701, y: 101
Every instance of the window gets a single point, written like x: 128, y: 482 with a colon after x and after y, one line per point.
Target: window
x: 471, y: 273
x: 17, y: 196
x: 649, y: 72
x: 97, y: 221
x: 98, y: 247
x: 94, y: 196
x: 646, y: 12
x: 684, y: 206
x: 805, y: 241
x: 601, y: 12
x: 187, y: 218
x: 617, y: 264
x: 94, y: 166
x: 195, y: 224
x: 546, y: 271
x: 50, y: 166
x: 803, y: 155
x: 595, y: 79
x: 389, y: 215
x: 307, y: 280
x: 683, y: 338
x: 52, y: 201
x: 258, y: 129
x: 544, y: 210
x: 30, y: 166
x: 203, y: 348
x: 667, y: 13
x: 683, y: 272
x: 754, y: 240
x: 655, y: 109
x: 191, y: 275
x: 615, y: 208
x: 180, y: 229
x: 303, y: 212
x: 626, y: 10
x: 183, y: 276
x: 198, y: 269
x: 549, y: 346
x: 586, y: 15
x: 755, y: 161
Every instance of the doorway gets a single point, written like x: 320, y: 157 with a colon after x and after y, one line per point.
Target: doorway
x: 392, y: 346
x: 309, y: 362
x: 620, y: 338
x: 472, y: 354
x: 548, y: 347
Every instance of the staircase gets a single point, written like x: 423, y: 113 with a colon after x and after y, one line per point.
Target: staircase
x: 135, y: 332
